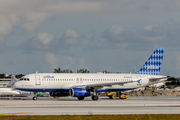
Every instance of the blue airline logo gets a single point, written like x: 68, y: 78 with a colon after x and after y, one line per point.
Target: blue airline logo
x: 152, y: 67
x: 139, y: 82
x: 48, y: 76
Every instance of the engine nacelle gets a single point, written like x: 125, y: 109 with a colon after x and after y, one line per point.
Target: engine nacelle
x: 80, y: 92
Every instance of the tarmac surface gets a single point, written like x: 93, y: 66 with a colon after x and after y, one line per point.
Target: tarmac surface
x: 71, y: 106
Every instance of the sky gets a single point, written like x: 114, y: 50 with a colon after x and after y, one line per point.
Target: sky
x: 98, y: 35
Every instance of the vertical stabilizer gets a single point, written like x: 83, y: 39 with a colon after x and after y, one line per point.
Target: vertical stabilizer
x: 13, y: 80
x: 153, y: 64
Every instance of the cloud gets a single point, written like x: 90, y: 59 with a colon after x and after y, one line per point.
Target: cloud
x: 45, y: 38
x: 7, y: 23
x: 126, y: 5
x: 33, y: 20
x: 115, y: 30
x: 31, y: 14
x: 82, y: 62
x: 46, y: 41
x: 71, y: 37
x: 70, y: 62
x: 114, y: 37
x: 51, y: 60
x: 171, y: 6
x: 150, y: 35
x: 149, y: 27
x: 73, y: 6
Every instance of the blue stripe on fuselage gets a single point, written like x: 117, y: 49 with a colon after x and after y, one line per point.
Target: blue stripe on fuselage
x: 41, y: 90
x: 54, y: 89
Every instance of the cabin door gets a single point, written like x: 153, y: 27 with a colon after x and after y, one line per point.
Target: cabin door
x: 37, y: 80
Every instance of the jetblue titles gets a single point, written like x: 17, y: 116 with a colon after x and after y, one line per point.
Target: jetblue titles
x: 48, y: 76
x: 152, y: 67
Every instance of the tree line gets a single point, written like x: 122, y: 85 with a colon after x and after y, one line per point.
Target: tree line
x: 173, y: 81
x: 9, y: 76
x: 59, y: 70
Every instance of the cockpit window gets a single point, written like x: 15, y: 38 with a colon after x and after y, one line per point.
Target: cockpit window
x: 24, y: 79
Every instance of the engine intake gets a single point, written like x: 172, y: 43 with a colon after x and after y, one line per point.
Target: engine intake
x: 80, y: 92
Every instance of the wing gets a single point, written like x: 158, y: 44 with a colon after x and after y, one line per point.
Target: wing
x: 101, y: 85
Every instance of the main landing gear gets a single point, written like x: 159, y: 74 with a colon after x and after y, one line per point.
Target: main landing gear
x: 95, y: 97
x: 80, y: 98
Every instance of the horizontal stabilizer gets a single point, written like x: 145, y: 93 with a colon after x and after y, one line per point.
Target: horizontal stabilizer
x: 158, y: 79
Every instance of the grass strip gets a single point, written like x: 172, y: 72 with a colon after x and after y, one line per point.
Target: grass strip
x: 94, y: 117
x: 7, y: 114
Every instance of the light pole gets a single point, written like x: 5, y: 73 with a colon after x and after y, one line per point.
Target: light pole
x: 134, y: 69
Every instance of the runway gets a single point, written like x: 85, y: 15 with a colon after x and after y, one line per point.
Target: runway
x: 71, y: 106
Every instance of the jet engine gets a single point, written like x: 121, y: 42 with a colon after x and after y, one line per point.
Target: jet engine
x: 80, y: 92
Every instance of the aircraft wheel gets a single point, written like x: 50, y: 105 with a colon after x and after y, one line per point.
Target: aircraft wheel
x: 113, y: 96
x: 95, y: 98
x: 34, y: 98
x: 80, y: 98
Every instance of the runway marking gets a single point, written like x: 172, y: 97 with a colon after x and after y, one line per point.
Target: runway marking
x: 14, y: 113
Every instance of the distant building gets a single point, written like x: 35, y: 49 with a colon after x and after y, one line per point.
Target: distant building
x: 4, y: 82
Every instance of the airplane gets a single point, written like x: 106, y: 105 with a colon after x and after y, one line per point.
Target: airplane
x: 9, y: 91
x: 82, y: 85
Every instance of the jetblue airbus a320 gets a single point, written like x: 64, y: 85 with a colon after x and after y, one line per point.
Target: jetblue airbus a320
x: 82, y: 85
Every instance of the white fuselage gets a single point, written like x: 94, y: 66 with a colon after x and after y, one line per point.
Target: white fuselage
x: 8, y: 91
x: 49, y: 82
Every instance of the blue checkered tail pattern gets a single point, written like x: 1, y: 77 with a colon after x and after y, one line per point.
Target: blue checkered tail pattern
x: 153, y: 64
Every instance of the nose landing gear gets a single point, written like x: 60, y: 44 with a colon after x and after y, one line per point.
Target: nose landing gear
x: 35, y: 96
